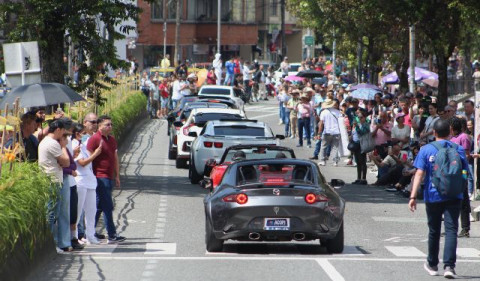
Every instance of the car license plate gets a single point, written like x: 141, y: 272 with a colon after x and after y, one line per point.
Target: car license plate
x: 277, y: 224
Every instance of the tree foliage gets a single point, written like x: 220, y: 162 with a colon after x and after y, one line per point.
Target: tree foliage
x: 382, y: 27
x: 90, y: 26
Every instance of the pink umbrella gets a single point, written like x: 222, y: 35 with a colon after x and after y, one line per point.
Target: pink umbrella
x: 293, y: 78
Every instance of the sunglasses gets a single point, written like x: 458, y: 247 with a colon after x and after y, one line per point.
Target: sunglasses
x: 92, y: 121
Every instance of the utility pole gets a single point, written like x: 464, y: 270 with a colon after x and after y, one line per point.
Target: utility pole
x: 165, y: 5
x: 177, y: 35
x: 282, y: 12
x: 334, y: 56
x: 411, y: 80
x: 219, y: 22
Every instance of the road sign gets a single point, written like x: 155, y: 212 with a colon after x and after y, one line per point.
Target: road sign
x: 309, y: 41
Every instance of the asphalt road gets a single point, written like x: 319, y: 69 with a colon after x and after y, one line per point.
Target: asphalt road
x: 161, y: 214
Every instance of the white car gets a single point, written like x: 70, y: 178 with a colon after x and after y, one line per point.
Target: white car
x: 294, y: 66
x: 221, y: 91
x: 195, y: 122
x: 217, y: 136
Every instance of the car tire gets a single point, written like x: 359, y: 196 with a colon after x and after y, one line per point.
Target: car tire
x: 212, y: 243
x: 172, y: 154
x: 181, y: 163
x: 193, y: 174
x: 335, y: 245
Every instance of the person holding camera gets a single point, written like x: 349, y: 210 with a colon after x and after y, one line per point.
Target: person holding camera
x: 381, y: 132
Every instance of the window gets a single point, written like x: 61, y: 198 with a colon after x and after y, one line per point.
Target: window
x: 207, y: 10
x: 239, y: 130
x: 250, y: 15
x: 172, y: 9
x: 237, y: 10
x: 157, y: 10
x: 274, y: 8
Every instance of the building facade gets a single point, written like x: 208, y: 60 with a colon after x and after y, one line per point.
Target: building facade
x: 250, y: 29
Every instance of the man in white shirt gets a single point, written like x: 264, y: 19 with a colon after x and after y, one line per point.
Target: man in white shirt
x: 177, y: 88
x: 217, y: 65
x: 329, y: 130
x: 285, y: 67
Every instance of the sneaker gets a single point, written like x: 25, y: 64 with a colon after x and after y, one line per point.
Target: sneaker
x: 432, y: 270
x: 76, y: 245
x: 349, y: 162
x: 299, y: 145
x: 292, y: 136
x: 59, y: 251
x: 449, y: 273
x: 100, y: 236
x: 116, y: 239
x: 390, y: 189
x: 363, y: 182
x: 357, y: 182
x: 67, y: 249
x: 464, y: 233
x: 280, y: 122
x: 335, y: 164
x: 322, y: 163
x: 309, y: 146
x: 313, y: 158
x: 93, y: 240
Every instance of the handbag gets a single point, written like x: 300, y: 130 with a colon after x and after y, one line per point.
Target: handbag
x: 353, y: 146
x: 367, y: 144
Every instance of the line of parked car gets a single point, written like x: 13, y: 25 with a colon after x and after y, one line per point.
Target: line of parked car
x: 258, y: 190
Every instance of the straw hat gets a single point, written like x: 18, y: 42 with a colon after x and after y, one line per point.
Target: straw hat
x: 305, y: 96
x: 328, y: 103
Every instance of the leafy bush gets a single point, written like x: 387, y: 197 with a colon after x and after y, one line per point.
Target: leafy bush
x: 127, y: 112
x: 24, y: 196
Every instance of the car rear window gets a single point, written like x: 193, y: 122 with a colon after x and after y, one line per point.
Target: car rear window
x: 215, y: 91
x: 258, y: 153
x: 239, y: 130
x: 294, y: 68
x: 274, y: 175
x: 202, y: 118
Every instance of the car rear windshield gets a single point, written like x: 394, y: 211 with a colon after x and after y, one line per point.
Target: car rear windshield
x: 202, y: 118
x: 215, y: 91
x: 258, y: 153
x: 294, y: 68
x: 274, y: 175
x: 188, y: 110
x: 239, y: 130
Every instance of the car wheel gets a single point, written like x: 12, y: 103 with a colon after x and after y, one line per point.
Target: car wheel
x: 213, y: 244
x: 193, y: 174
x: 172, y: 154
x: 335, y: 245
x: 181, y: 163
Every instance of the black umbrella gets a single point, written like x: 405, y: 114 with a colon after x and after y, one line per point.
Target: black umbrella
x: 320, y: 81
x: 310, y: 74
x: 41, y: 94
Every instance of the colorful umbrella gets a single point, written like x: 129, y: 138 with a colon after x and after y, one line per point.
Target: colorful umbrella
x: 364, y: 94
x: 420, y: 74
x: 365, y: 86
x: 293, y: 78
x: 202, y: 76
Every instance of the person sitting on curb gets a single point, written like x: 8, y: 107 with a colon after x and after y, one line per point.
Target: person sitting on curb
x: 390, y: 168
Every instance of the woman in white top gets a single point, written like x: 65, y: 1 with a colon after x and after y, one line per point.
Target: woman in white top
x: 86, y: 183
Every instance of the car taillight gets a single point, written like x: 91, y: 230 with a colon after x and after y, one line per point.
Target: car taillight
x: 218, y: 144
x: 207, y: 143
x: 187, y: 129
x: 241, y: 198
x: 311, y: 198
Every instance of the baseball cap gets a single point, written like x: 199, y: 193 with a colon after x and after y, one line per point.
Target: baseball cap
x: 399, y: 115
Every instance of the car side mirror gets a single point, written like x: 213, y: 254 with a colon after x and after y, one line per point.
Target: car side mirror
x: 336, y: 183
x: 192, y: 134
x: 206, y: 184
x: 280, y: 137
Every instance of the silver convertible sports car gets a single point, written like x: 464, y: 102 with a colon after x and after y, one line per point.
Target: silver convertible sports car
x: 274, y: 200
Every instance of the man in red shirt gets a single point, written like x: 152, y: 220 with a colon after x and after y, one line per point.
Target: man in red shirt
x: 106, y: 167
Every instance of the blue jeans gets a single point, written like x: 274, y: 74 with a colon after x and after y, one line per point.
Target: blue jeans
x: 318, y: 144
x: 105, y: 205
x: 303, y: 123
x: 228, y: 80
x: 470, y: 178
x: 174, y: 103
x: 450, y: 211
x: 60, y: 212
x: 286, y: 120
x: 281, y: 111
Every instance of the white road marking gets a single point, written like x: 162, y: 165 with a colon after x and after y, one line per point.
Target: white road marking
x: 468, y: 253
x: 161, y: 249
x: 391, y: 239
x: 405, y: 251
x: 100, y: 249
x: 270, y: 258
x: 330, y: 270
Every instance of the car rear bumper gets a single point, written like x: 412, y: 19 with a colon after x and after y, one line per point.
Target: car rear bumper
x: 277, y: 235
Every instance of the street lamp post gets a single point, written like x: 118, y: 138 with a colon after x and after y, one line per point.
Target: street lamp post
x: 219, y: 23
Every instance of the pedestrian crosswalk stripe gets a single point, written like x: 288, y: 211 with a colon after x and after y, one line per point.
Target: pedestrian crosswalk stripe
x: 161, y: 249
x: 405, y: 251
x: 468, y: 253
x: 100, y: 249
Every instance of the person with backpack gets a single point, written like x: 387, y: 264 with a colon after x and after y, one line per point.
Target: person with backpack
x: 444, y: 166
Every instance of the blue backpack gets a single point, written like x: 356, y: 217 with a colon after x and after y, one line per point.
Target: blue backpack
x: 447, y: 172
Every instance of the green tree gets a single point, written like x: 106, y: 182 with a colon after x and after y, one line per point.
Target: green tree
x: 88, y: 25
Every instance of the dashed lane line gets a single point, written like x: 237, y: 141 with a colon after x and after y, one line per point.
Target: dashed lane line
x: 330, y: 270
